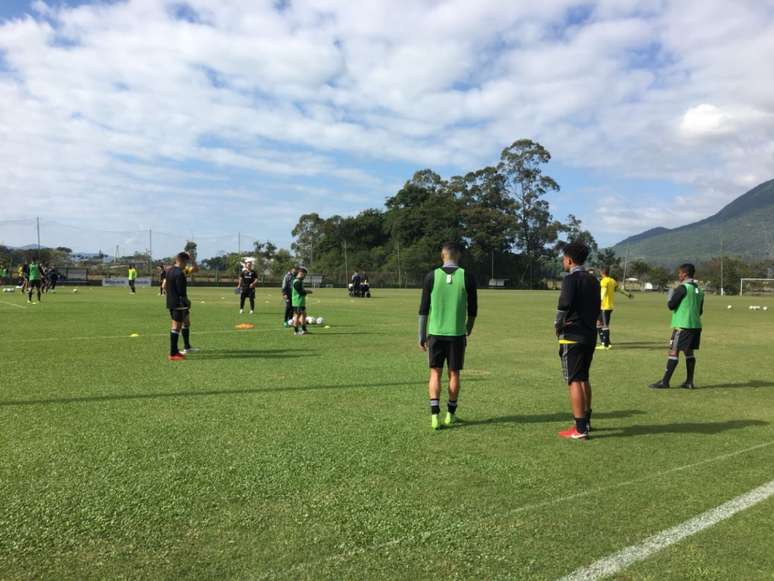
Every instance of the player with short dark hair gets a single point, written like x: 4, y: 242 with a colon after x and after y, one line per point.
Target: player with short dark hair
x: 287, y: 292
x: 447, y: 314
x: 575, y: 326
x: 298, y: 299
x: 179, y: 305
x: 687, y: 305
x: 608, y: 287
x: 132, y: 277
x: 246, y: 283
x: 34, y: 279
x: 162, y: 276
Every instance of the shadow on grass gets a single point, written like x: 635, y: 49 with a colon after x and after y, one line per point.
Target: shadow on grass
x: 750, y: 383
x: 211, y: 392
x: 661, y: 345
x: 252, y: 354
x: 684, y: 428
x: 545, y: 418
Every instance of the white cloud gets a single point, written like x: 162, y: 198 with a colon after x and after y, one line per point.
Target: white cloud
x: 107, y: 106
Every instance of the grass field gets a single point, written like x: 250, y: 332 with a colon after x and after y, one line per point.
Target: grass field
x: 268, y: 456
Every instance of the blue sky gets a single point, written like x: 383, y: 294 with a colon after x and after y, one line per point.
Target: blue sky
x: 208, y: 118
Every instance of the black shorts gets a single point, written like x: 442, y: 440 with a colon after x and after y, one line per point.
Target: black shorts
x: 248, y: 293
x: 447, y: 350
x: 685, y: 340
x: 604, y: 318
x: 179, y: 315
x: 299, y: 310
x: 576, y: 361
x: 34, y: 284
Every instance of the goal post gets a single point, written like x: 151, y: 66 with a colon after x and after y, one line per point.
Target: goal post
x: 757, y: 285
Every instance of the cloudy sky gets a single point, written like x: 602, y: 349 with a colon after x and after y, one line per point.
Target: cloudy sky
x: 211, y: 117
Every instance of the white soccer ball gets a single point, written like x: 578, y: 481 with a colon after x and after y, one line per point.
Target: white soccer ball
x: 320, y: 321
x: 765, y: 308
x: 309, y: 320
x: 75, y: 290
x: 729, y: 307
x: 290, y: 321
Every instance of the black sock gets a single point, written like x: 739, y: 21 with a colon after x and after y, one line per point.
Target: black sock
x: 252, y: 304
x: 588, y: 415
x: 601, y: 336
x: 241, y: 302
x: 581, y: 426
x: 670, y: 369
x: 186, y: 337
x: 435, y: 407
x: 690, y: 364
x: 451, y: 406
x: 173, y: 336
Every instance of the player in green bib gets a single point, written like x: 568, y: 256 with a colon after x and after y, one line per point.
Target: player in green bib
x: 34, y: 280
x: 447, y: 313
x: 298, y: 301
x: 687, y: 305
x: 132, y: 277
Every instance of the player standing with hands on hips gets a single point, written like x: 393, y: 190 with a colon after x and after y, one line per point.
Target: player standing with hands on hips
x: 447, y: 313
x: 687, y: 305
x: 247, y: 281
x: 576, y: 329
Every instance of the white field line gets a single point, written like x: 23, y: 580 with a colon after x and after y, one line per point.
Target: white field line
x: 500, y: 515
x: 100, y: 337
x: 622, y: 559
x: 12, y: 305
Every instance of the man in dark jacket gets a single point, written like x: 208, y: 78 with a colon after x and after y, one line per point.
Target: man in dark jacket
x: 576, y: 329
x: 287, y: 289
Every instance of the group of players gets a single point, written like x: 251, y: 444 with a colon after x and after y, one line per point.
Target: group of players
x: 449, y: 306
x: 34, y: 277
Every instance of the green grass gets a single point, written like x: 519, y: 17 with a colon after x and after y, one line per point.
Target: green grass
x: 273, y: 456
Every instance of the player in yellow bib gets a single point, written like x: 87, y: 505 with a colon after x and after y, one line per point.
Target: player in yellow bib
x: 608, y: 286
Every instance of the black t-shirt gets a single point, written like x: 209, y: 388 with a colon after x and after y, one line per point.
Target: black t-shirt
x: 177, y: 288
x: 578, y: 308
x: 246, y: 278
x: 162, y: 275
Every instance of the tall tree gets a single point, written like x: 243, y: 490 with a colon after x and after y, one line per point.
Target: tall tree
x: 521, y: 166
x: 572, y: 231
x: 308, y: 234
x: 190, y: 248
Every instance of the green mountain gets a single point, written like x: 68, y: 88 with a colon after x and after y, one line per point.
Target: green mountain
x: 744, y: 228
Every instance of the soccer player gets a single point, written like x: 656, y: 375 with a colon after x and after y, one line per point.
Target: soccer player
x: 609, y: 286
x: 447, y: 313
x: 298, y: 299
x: 34, y: 279
x: 575, y: 326
x: 287, y: 292
x: 162, y: 276
x: 687, y: 305
x: 132, y: 276
x: 247, y: 281
x: 176, y: 285
x: 356, y: 284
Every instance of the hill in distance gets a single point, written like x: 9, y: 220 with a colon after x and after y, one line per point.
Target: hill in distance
x: 745, y: 226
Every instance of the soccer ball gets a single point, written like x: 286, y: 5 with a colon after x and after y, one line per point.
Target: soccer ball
x: 290, y: 321
x: 309, y: 320
x: 729, y: 307
x: 75, y: 290
x: 765, y: 308
x: 320, y: 321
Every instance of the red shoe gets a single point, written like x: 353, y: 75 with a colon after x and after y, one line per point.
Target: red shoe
x: 573, y: 434
x: 176, y: 357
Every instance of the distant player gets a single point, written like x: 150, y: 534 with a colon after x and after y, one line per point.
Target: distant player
x: 53, y: 278
x: 287, y: 292
x: 608, y: 287
x: 356, y: 284
x: 162, y: 275
x: 447, y: 313
x: 246, y: 283
x: 687, y: 305
x: 176, y: 286
x: 575, y: 326
x: 34, y: 279
x: 24, y: 277
x: 132, y: 276
x: 298, y: 298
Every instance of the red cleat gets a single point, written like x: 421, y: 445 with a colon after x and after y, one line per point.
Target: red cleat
x: 176, y: 357
x: 573, y: 434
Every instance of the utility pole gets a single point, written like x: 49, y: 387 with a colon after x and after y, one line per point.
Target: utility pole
x: 150, y: 251
x: 492, y: 276
x: 400, y: 285
x: 239, y: 243
x: 722, y: 261
x: 346, y: 263
x: 37, y: 229
x: 626, y: 264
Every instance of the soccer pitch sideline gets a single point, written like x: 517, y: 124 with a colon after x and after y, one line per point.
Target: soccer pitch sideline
x: 272, y: 456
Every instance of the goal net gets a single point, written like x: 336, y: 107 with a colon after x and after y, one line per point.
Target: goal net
x: 756, y: 286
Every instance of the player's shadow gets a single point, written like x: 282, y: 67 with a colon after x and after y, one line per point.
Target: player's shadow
x: 751, y: 383
x: 707, y: 428
x: 641, y: 345
x: 544, y: 418
x: 253, y: 354
x: 212, y: 393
